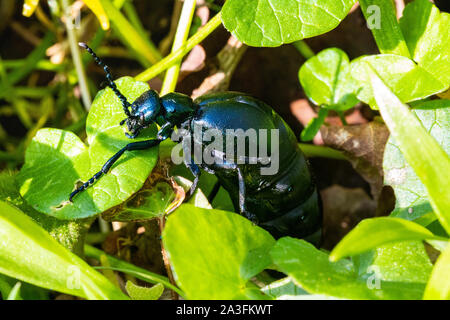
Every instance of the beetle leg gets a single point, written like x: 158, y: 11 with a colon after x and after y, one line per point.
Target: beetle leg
x: 241, y: 183
x: 195, y: 170
x: 140, y: 145
x: 242, y: 209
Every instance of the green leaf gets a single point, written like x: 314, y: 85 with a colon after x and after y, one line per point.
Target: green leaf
x: 270, y: 23
x: 146, y: 204
x: 382, y: 20
x: 404, y: 78
x: 57, y: 159
x: 327, y: 81
x: 313, y: 126
x: 439, y: 285
x: 146, y: 51
x: 426, y: 32
x: 431, y: 104
x: 405, y: 262
x: 30, y: 254
x: 284, y: 289
x: 411, y: 195
x: 423, y: 153
x: 215, y: 253
x: 15, y: 292
x: 69, y: 233
x: 97, y: 8
x: 311, y: 269
x: 143, y: 293
x: 372, y: 233
x: 29, y: 6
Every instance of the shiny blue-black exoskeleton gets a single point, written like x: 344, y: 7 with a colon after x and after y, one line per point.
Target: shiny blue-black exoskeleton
x: 285, y: 203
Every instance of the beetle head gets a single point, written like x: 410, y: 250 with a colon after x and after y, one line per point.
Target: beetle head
x: 144, y: 111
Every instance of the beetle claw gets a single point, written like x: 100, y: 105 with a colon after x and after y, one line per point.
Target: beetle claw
x: 131, y: 136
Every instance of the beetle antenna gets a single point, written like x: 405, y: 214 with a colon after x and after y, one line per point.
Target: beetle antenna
x: 109, y: 80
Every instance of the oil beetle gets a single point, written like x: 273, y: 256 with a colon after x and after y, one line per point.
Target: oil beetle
x: 285, y: 203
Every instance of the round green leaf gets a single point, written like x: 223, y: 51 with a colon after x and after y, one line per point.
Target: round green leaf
x: 326, y: 80
x: 407, y: 80
x: 427, y: 38
x: 372, y: 233
x: 56, y: 160
x: 270, y: 23
x: 311, y: 269
x: 214, y: 253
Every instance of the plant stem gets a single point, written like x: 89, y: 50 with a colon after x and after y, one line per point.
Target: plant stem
x: 342, y: 117
x: 123, y: 266
x: 304, y: 49
x: 76, y: 57
x: 311, y: 150
x: 184, y: 24
x: 176, y: 56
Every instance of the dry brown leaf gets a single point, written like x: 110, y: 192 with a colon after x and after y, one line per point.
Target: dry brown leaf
x: 343, y: 209
x: 364, y: 145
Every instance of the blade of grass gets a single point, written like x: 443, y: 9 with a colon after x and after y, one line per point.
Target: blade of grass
x: 147, y: 52
x: 76, y: 57
x: 29, y: 6
x: 184, y: 24
x: 176, y: 56
x: 14, y: 294
x: 132, y: 15
x: 28, y: 253
x: 123, y: 266
x: 438, y: 286
x: 421, y: 151
x: 97, y: 8
x: 29, y: 65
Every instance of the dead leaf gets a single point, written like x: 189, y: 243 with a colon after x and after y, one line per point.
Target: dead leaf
x: 364, y: 145
x: 343, y: 209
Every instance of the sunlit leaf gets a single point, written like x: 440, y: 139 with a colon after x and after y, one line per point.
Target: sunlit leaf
x: 215, y: 253
x: 372, y: 233
x: 270, y: 23
x: 30, y: 254
x: 57, y: 159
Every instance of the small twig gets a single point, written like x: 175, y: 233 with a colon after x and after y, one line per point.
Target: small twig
x: 25, y: 33
x: 399, y: 6
x: 76, y: 56
x: 227, y: 60
x: 162, y: 222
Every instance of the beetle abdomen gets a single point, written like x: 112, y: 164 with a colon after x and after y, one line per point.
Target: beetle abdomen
x: 285, y: 202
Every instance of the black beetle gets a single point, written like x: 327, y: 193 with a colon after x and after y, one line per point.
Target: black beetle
x: 285, y: 203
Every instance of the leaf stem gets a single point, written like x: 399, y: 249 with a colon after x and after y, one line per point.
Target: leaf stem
x: 176, y: 56
x: 311, y: 150
x: 304, y: 49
